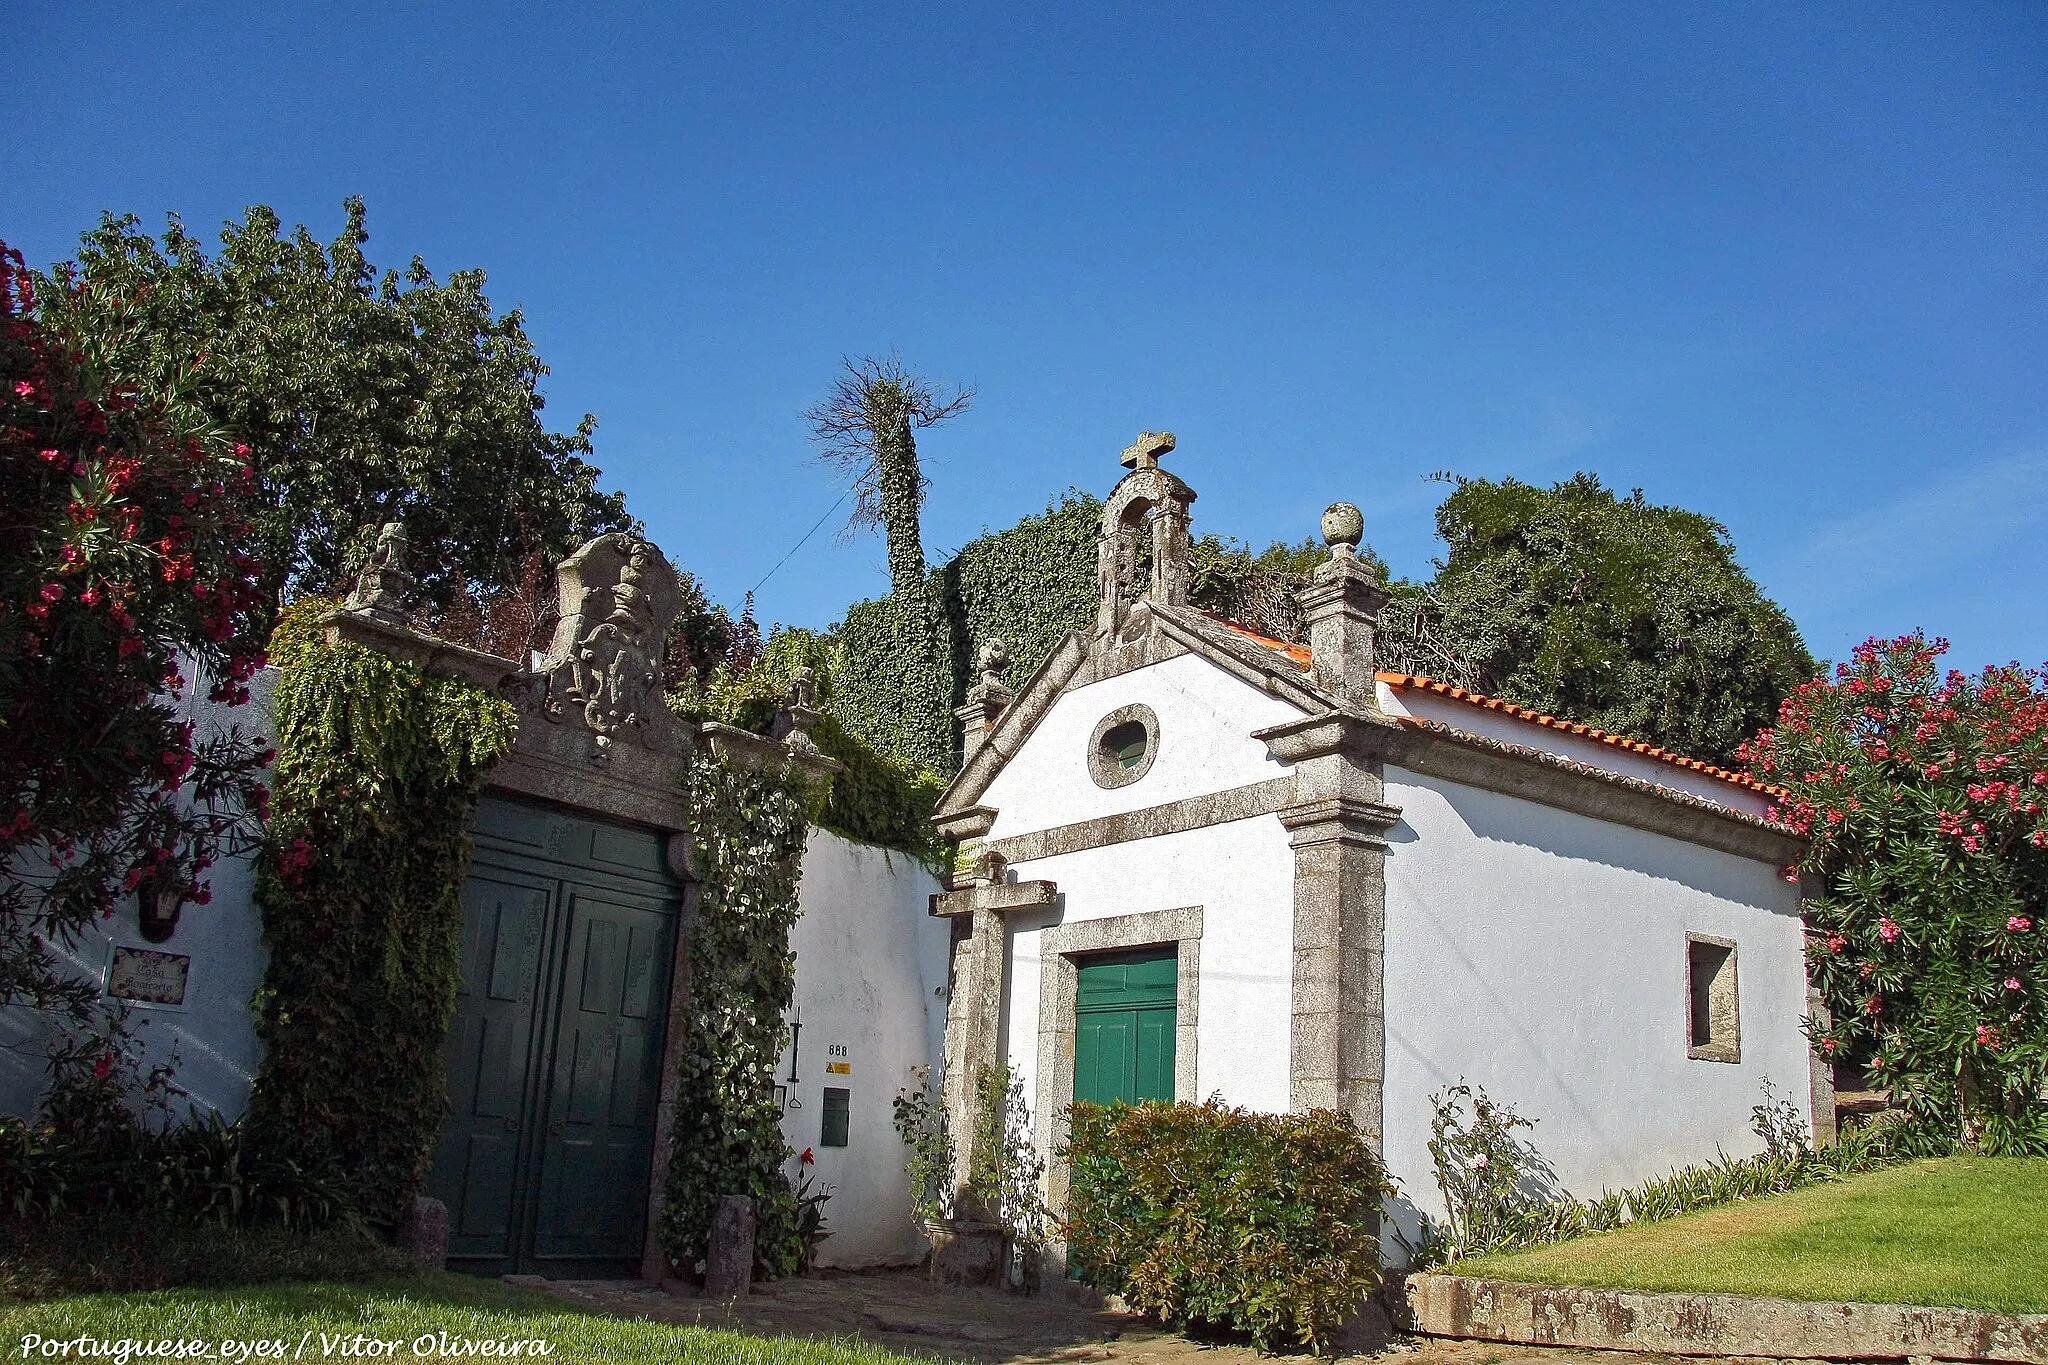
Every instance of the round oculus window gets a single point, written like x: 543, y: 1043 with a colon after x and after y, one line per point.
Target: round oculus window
x: 1123, y: 746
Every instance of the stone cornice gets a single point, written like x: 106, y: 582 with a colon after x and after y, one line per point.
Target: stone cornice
x: 1148, y: 822
x: 996, y: 897
x: 758, y: 753
x: 969, y: 822
x: 1438, y: 750
x: 430, y: 652
x: 1364, y: 735
x: 1341, y: 819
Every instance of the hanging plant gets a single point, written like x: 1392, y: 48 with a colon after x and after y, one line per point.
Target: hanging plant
x: 748, y: 828
x: 378, y: 770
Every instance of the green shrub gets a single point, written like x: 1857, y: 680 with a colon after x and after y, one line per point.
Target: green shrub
x: 110, y: 1252
x: 1264, y: 1223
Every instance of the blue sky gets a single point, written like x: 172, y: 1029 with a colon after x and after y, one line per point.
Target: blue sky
x: 1782, y: 264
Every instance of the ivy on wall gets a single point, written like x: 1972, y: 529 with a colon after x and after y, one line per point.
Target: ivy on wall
x: 877, y: 798
x: 908, y: 659
x: 378, y: 770
x: 748, y: 828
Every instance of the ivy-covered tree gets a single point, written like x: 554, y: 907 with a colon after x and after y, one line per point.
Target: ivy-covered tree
x: 1612, y: 611
x: 1924, y: 795
x: 365, y: 398
x: 123, y: 583
x: 864, y: 429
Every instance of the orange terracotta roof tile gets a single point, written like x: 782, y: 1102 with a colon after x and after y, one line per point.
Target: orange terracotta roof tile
x: 1298, y: 653
x: 1301, y: 655
x: 1634, y: 746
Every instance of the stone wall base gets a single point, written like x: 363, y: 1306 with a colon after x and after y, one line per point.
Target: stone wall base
x: 1717, y: 1324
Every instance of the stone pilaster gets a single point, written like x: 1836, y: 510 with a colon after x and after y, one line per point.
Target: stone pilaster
x: 978, y: 904
x: 986, y: 700
x: 1337, y: 824
x: 1342, y: 608
x: 1170, y: 568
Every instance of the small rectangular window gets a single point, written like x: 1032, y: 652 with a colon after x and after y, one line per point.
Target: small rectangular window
x: 833, y: 1132
x: 1714, y: 1024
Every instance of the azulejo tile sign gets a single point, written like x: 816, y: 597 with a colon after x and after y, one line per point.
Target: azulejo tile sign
x: 147, y: 976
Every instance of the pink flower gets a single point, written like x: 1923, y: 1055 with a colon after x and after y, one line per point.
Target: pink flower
x: 2012, y: 983
x: 2019, y: 924
x: 52, y: 592
x: 24, y: 389
x: 1889, y: 931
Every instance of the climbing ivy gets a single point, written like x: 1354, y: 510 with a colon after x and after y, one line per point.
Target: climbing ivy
x: 748, y: 828
x: 876, y: 798
x: 908, y: 659
x: 378, y: 770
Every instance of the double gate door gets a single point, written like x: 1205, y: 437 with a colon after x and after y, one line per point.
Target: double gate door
x: 554, y: 1058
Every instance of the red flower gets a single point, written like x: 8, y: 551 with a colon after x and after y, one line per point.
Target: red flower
x: 808, y: 1158
x: 2019, y: 924
x: 1887, y: 930
x: 104, y: 1067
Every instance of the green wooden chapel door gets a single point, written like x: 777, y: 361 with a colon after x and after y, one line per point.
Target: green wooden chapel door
x: 554, y: 1057
x: 1124, y: 1017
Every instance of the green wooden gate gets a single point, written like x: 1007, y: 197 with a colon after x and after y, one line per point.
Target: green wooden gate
x: 1124, y: 1017
x: 554, y: 1059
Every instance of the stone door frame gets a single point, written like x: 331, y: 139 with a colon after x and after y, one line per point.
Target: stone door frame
x: 1059, y: 981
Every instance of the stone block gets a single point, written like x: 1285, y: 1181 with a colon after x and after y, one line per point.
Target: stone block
x: 423, y: 1232
x: 966, y: 1252
x: 729, y: 1260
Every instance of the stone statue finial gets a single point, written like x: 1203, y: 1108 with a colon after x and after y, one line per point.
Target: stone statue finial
x: 1343, y: 528
x: 990, y: 867
x: 991, y: 659
x: 382, y: 585
x: 799, y: 715
x: 1144, y: 453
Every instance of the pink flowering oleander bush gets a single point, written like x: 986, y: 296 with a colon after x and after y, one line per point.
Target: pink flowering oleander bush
x: 1926, y: 797
x: 122, y: 585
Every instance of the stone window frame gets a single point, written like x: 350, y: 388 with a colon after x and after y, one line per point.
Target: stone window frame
x: 1103, y: 766
x: 1729, y: 1049
x: 1059, y: 985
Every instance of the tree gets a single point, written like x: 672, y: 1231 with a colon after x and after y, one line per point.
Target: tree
x: 364, y: 399
x: 1924, y: 796
x: 122, y: 583
x: 1611, y: 611
x: 863, y: 428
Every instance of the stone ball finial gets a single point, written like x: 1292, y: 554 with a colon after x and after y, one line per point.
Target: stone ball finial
x: 992, y: 658
x: 1343, y: 528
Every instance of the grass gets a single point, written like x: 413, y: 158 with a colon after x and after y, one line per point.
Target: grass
x: 1971, y: 1232
x: 399, y: 1309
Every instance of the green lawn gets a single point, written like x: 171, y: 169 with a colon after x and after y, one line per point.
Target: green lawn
x: 398, y: 1310
x: 1965, y: 1231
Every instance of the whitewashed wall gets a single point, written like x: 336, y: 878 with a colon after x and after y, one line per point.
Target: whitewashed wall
x: 1206, y: 717
x: 1542, y: 955
x: 1241, y: 873
x: 870, y: 980
x: 213, y: 1034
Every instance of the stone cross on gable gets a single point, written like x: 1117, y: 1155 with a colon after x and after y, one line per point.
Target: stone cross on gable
x: 1145, y: 452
